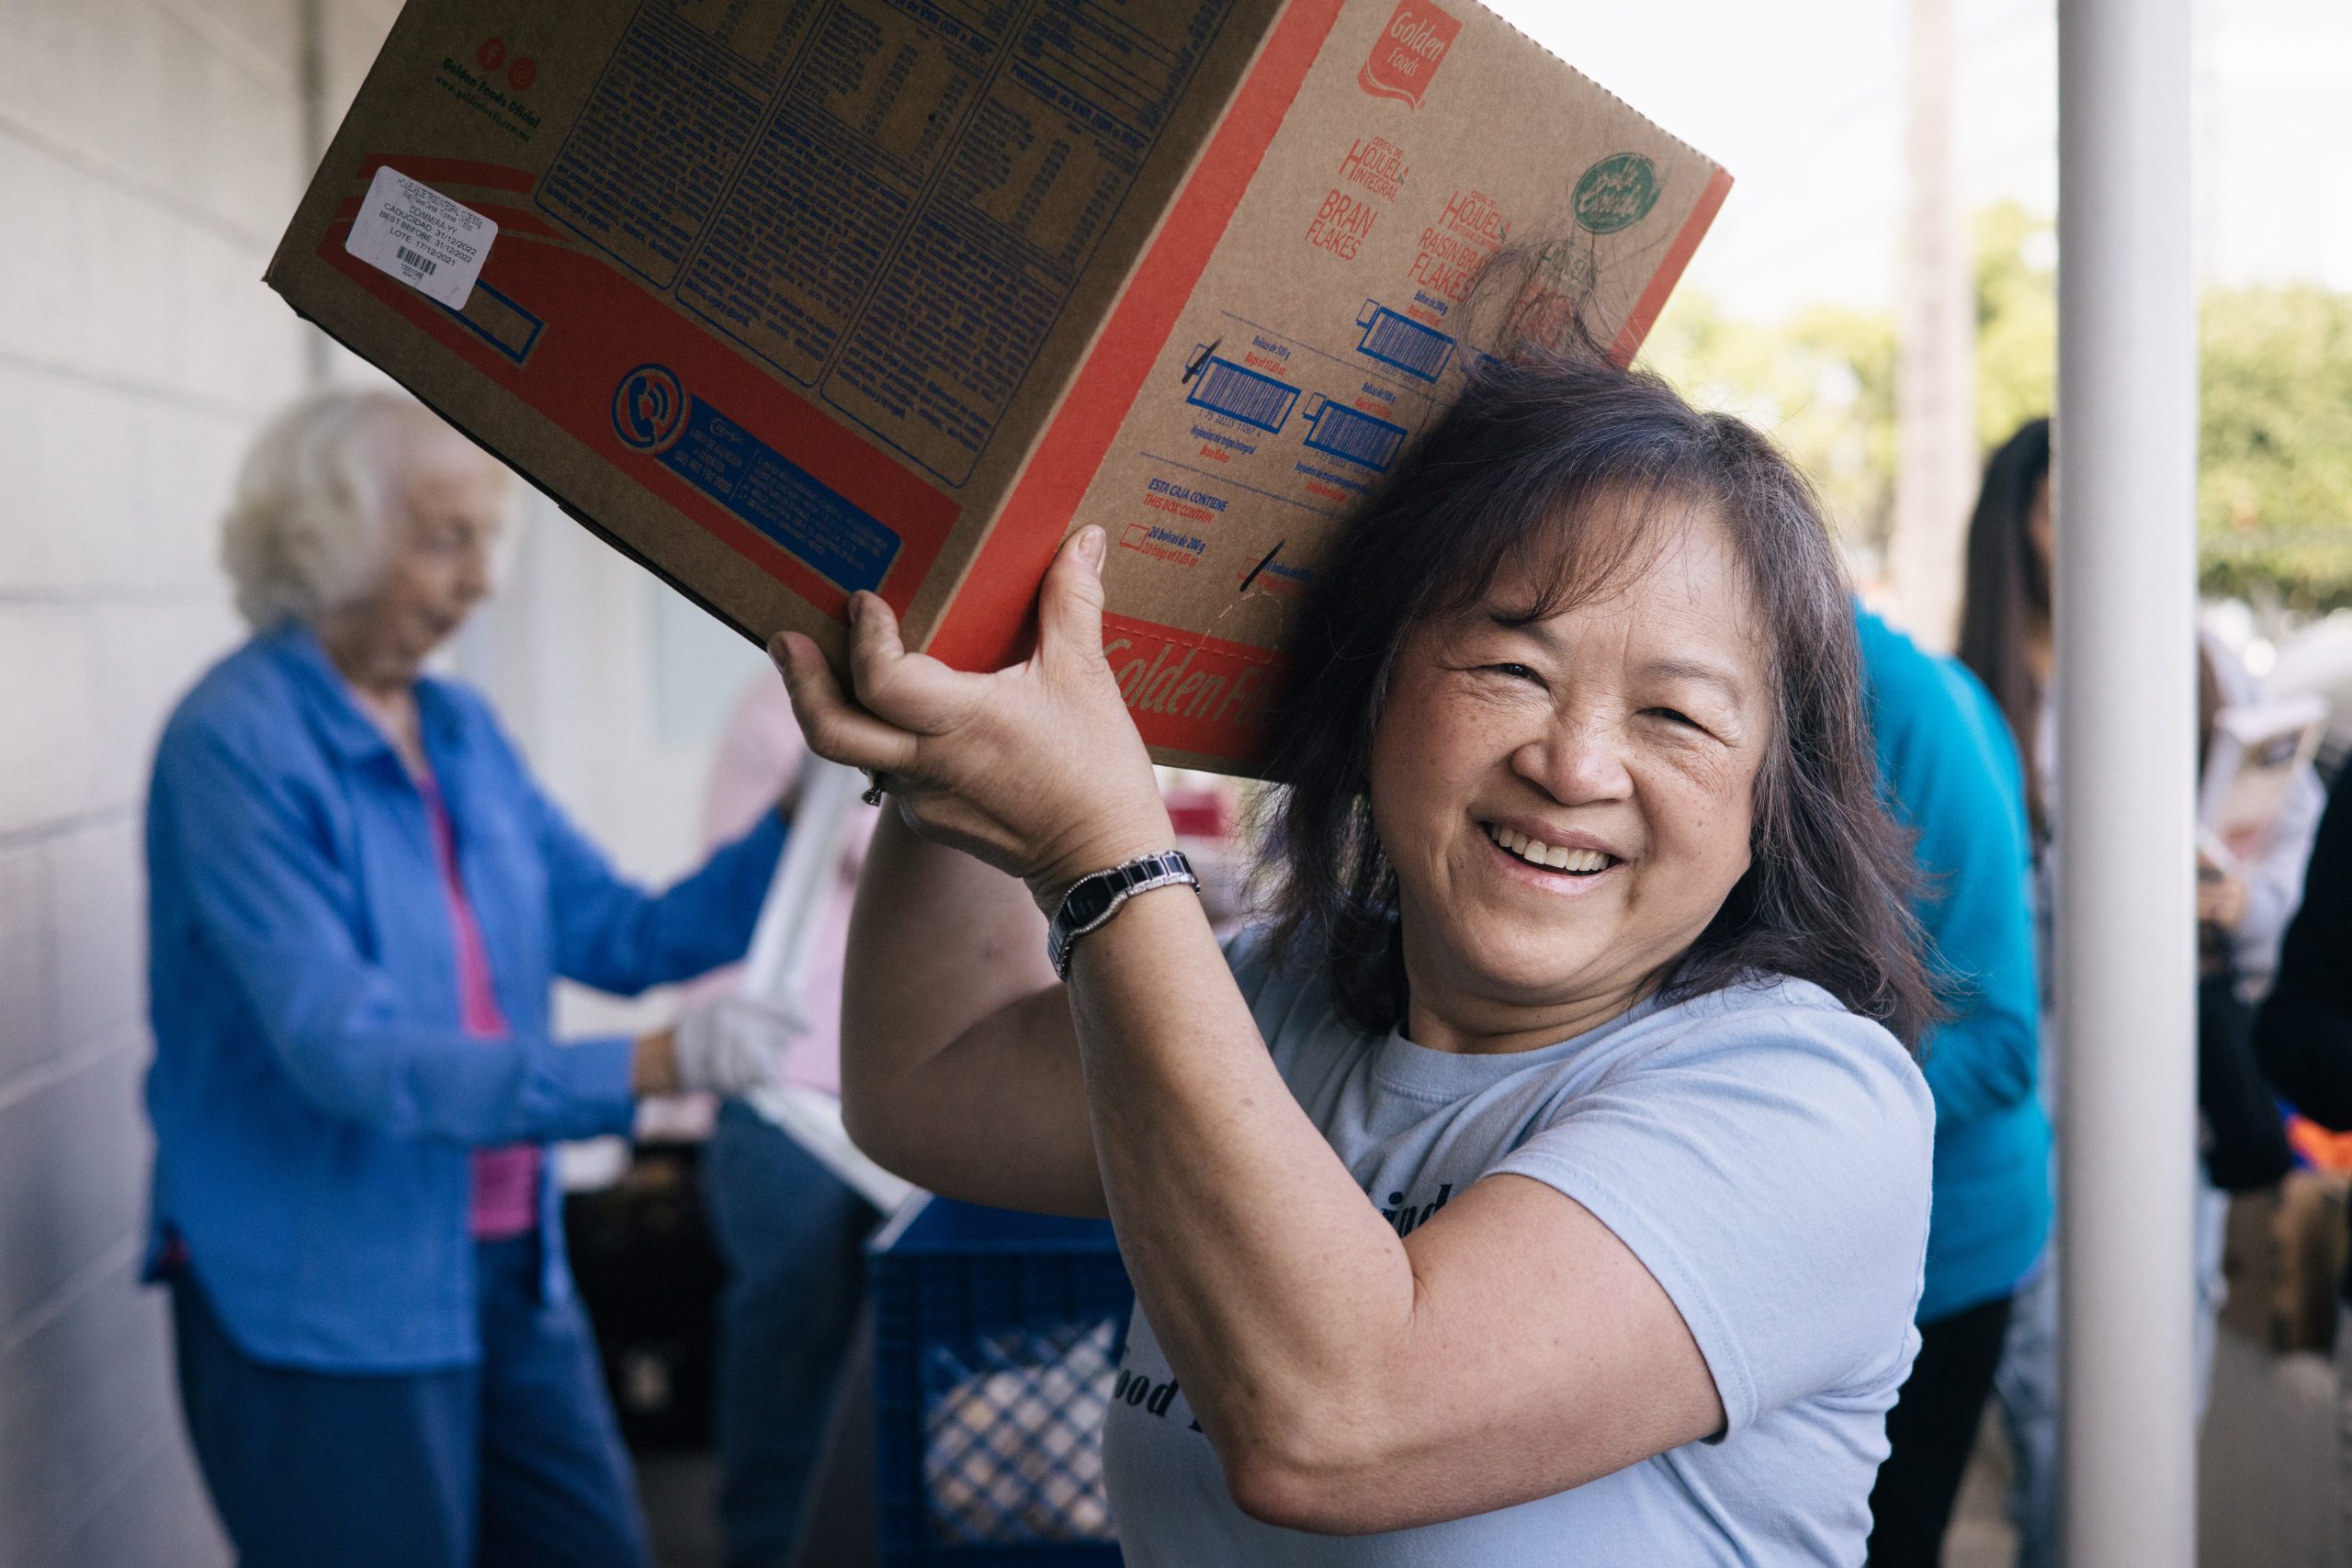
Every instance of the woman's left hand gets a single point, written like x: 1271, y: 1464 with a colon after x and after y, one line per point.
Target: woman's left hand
x: 1035, y: 769
x: 2220, y: 897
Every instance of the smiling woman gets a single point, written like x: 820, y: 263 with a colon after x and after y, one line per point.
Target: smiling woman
x: 1549, y: 1181
x: 1583, y: 532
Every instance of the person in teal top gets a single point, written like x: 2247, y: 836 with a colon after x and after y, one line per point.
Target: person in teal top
x: 1950, y: 773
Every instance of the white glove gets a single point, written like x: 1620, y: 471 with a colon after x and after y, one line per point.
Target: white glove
x: 732, y: 1045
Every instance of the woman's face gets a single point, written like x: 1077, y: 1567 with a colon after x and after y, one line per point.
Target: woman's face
x: 1621, y: 735
x: 448, y: 508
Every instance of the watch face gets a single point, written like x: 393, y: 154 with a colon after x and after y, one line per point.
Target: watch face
x: 1086, y: 903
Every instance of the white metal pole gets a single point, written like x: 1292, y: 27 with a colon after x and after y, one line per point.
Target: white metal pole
x: 2126, y: 475
x: 793, y: 914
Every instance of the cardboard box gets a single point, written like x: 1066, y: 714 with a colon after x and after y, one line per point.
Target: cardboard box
x: 2283, y: 1255
x: 790, y: 297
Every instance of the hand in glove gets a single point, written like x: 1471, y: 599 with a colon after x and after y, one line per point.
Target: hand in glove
x: 732, y: 1045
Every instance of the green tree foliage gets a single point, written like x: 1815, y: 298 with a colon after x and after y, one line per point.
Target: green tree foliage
x: 2017, y: 319
x: 2275, y: 442
x: 1823, y: 384
x: 2274, y: 486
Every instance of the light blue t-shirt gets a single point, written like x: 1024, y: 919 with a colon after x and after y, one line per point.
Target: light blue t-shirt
x: 1764, y: 1152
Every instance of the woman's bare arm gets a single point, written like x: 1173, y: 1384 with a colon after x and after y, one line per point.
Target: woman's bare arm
x: 1510, y: 1348
x: 959, y: 1065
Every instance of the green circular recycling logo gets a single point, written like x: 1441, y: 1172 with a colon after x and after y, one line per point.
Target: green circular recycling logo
x: 1616, y: 193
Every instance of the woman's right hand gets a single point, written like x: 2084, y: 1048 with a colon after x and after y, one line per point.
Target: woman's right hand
x: 727, y: 1046
x: 1035, y: 769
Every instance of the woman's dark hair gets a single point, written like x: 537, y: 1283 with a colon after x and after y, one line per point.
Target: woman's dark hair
x: 1555, y: 464
x: 2005, y: 602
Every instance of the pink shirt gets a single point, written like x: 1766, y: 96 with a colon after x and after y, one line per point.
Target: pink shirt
x: 758, y: 756
x: 506, y: 1180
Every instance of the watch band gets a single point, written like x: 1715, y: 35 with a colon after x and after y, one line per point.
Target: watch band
x: 1093, y: 899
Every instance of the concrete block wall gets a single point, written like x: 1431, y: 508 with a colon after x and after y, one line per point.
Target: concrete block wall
x: 150, y: 151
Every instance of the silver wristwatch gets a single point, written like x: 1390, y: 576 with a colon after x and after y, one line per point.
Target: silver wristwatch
x: 1093, y: 900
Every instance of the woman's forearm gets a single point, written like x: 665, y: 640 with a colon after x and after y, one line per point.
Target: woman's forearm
x: 1268, y: 1280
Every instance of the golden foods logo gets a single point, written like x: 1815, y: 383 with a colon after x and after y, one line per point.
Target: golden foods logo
x: 1407, y: 52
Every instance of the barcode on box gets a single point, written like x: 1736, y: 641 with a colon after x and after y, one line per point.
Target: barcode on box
x: 1225, y: 388
x: 1405, y: 343
x: 1358, y: 438
x: 422, y: 264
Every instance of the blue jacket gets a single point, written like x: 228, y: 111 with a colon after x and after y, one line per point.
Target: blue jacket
x: 316, y: 1102
x: 1948, y: 768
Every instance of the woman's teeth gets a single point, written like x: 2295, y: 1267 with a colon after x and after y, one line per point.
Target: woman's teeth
x: 1557, y: 857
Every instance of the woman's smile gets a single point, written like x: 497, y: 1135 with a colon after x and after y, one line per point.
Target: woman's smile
x: 1558, y: 862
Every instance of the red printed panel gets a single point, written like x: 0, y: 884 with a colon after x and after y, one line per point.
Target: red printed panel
x: 1191, y: 693
x: 595, y: 330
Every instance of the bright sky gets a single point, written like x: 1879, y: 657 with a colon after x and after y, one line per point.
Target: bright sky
x: 1803, y: 103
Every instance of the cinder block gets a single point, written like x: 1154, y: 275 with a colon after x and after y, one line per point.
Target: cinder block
x: 165, y: 98
x: 98, y: 909
x: 151, y: 655
x: 177, y: 495
x: 82, y: 480
x: 73, y: 1172
x: 43, y: 283
x: 248, y: 164
x: 266, y: 27
x: 162, y: 303
x: 159, y: 154
x: 159, y: 1516
x: 26, y: 1036
x: 103, y: 489
x: 49, y: 717
x: 140, y: 257
x: 83, y: 1398
x: 354, y: 34
x: 23, y: 526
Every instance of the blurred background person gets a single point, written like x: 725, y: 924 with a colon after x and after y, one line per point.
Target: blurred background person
x: 1951, y: 776
x: 790, y: 1231
x: 2006, y: 639
x: 359, y: 899
x: 2243, y: 910
x: 2304, y: 1041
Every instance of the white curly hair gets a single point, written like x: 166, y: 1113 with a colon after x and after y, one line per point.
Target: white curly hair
x: 305, y: 531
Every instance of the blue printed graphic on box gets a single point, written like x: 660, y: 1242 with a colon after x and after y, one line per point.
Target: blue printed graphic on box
x: 752, y: 479
x: 1402, y: 342
x: 649, y: 408
x: 1223, y: 386
x: 1348, y: 432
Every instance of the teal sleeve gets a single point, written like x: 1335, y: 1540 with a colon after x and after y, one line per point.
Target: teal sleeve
x: 1951, y: 772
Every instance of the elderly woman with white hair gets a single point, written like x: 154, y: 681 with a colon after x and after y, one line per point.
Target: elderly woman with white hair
x: 359, y: 899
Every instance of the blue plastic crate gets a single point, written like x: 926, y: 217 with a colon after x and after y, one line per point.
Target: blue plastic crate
x: 997, y: 1340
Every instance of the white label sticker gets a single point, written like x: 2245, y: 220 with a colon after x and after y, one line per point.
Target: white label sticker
x: 421, y: 237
